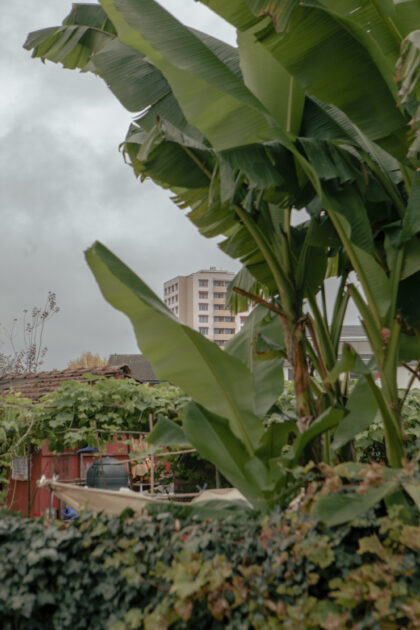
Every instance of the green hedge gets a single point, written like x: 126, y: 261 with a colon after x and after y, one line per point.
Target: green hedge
x: 241, y: 572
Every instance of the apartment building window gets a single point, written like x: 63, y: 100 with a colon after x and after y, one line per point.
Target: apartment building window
x: 217, y: 296
x: 219, y: 343
x: 203, y: 319
x: 203, y: 283
x: 219, y: 307
x: 224, y: 331
x: 229, y: 319
x: 217, y: 318
x: 203, y: 331
x: 203, y: 295
x: 227, y: 283
x: 203, y: 307
x: 218, y: 283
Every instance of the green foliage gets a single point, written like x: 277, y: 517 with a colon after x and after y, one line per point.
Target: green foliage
x: 113, y: 405
x: 370, y: 444
x: 16, y: 426
x: 174, y: 570
x: 67, y: 416
x: 82, y: 413
x: 190, y: 472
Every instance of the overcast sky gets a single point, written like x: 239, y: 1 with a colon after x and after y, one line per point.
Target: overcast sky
x: 64, y: 184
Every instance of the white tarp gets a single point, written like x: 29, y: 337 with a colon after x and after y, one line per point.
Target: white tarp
x: 114, y: 501
x: 220, y: 494
x: 97, y: 499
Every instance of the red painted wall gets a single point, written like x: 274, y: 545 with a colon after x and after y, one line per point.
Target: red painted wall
x: 68, y: 466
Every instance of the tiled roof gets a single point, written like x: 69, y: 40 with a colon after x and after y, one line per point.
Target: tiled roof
x: 36, y: 385
x: 138, y: 364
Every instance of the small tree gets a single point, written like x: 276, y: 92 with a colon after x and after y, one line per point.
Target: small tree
x: 87, y: 360
x: 28, y: 349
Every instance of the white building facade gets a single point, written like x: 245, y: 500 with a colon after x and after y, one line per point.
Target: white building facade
x: 199, y: 300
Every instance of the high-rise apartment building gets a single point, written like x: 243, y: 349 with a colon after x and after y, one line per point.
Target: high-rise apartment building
x: 199, y: 300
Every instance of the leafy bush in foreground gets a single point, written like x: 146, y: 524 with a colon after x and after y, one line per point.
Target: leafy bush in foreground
x: 174, y: 570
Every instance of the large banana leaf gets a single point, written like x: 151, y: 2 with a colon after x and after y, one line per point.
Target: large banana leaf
x: 341, y: 52
x: 267, y: 371
x: 341, y: 508
x: 348, y: 216
x: 168, y: 433
x: 241, y: 345
x: 170, y: 160
x: 219, y: 382
x: 362, y: 408
x: 212, y: 437
x: 326, y: 421
x: 411, y: 224
x: 85, y: 30
x: 408, y: 76
x: 87, y: 40
x: 213, y: 98
x: 279, y: 92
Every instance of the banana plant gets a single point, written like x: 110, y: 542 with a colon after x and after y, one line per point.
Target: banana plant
x: 220, y: 188
x: 304, y: 113
x: 225, y: 420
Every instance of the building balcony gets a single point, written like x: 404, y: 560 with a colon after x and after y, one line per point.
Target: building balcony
x: 224, y: 337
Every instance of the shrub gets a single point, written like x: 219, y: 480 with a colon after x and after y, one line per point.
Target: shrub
x: 176, y: 570
x: 370, y: 444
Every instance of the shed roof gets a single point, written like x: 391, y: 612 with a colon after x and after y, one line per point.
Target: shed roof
x: 138, y: 364
x: 36, y: 385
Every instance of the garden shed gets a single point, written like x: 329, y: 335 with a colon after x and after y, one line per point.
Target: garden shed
x: 70, y: 465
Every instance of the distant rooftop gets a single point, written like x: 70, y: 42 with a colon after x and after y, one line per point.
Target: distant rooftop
x: 139, y: 366
x: 351, y: 331
x: 210, y: 270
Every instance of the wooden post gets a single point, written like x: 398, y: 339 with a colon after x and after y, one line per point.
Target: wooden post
x: 50, y: 508
x: 28, y: 457
x: 99, y: 449
x: 152, y: 471
x: 130, y: 475
x: 217, y: 477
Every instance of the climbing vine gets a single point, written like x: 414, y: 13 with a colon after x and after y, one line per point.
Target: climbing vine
x: 81, y: 414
